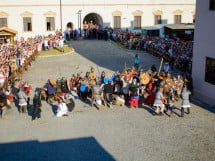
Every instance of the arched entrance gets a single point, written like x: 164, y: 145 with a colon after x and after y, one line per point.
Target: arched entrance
x: 93, y: 18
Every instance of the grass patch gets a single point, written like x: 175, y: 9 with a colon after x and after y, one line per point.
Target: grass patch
x: 55, y: 51
x: 121, y: 45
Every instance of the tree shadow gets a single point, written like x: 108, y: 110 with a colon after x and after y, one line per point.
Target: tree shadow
x: 80, y: 149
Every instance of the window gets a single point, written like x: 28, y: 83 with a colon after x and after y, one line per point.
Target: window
x: 3, y: 22
x: 212, y: 5
x: 210, y: 70
x: 117, y: 22
x: 27, y: 24
x: 157, y: 19
x: 177, y: 19
x: 50, y: 23
x: 137, y: 22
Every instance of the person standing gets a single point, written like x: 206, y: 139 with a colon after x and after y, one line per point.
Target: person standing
x: 22, y: 101
x: 36, y: 107
x: 185, y: 104
x: 159, y: 102
x: 108, y: 92
x: 166, y: 67
x: 134, y: 93
x: 136, y: 61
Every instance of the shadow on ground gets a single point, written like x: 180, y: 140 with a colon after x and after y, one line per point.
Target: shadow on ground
x: 80, y: 149
x: 202, y: 104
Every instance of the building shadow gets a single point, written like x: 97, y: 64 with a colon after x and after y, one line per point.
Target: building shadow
x: 80, y: 149
x: 202, y: 104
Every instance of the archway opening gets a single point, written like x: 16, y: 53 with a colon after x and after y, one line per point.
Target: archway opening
x: 93, y: 18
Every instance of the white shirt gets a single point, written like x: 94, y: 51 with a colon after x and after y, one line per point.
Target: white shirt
x: 62, y: 109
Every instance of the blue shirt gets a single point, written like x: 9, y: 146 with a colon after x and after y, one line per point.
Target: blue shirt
x: 50, y: 88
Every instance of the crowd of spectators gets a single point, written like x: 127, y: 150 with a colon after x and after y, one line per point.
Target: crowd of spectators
x: 14, y: 61
x: 178, y: 53
x: 21, y: 51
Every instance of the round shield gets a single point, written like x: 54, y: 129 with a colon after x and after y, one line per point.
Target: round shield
x: 144, y: 78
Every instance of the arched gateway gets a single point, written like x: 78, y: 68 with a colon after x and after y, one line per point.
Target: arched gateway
x: 93, y: 18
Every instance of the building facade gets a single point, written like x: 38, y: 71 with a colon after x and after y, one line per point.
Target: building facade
x: 33, y: 17
x: 203, y: 67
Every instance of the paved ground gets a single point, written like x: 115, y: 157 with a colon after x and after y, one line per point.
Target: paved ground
x: 118, y: 134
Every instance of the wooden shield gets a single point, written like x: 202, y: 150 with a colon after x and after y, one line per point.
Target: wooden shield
x: 144, y: 78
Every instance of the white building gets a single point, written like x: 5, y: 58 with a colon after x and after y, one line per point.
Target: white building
x: 35, y: 17
x: 204, y: 51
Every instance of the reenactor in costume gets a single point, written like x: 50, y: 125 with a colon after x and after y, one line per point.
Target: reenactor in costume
x: 92, y: 77
x: 108, y: 92
x: 159, y: 101
x: 49, y: 87
x: 134, y: 93
x: 23, y: 98
x: 185, y: 104
x: 84, y: 89
x: 97, y: 96
x: 36, y: 107
x: 177, y: 85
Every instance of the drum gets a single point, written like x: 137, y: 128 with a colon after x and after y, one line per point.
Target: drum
x: 145, y: 78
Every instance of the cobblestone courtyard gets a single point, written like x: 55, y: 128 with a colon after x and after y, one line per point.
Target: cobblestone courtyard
x: 118, y: 134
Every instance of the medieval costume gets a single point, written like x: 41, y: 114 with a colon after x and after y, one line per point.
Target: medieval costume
x: 83, y: 90
x: 134, y: 93
x: 108, y: 91
x: 159, y: 103
x: 185, y: 101
x: 36, y: 107
x: 62, y: 108
x: 22, y: 100
x: 125, y: 88
x: 97, y: 96
x: 50, y: 89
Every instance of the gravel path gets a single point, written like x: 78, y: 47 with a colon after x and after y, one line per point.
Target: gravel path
x: 118, y: 134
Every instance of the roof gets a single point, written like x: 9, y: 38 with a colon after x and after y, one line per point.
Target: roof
x: 180, y: 26
x: 155, y: 27
x: 8, y: 30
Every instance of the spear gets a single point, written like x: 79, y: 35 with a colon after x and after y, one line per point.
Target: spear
x: 160, y: 66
